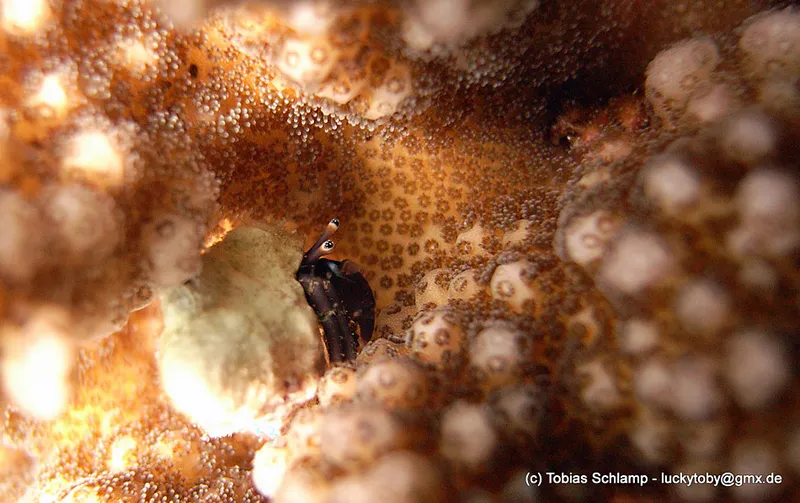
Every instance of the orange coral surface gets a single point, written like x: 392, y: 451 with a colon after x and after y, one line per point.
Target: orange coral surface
x: 580, y: 221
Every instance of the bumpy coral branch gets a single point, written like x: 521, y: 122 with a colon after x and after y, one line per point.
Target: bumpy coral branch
x: 512, y: 176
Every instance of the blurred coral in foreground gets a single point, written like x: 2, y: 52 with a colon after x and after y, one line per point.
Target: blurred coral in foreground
x: 580, y: 219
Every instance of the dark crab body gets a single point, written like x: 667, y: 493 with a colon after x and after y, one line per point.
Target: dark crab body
x: 341, y: 297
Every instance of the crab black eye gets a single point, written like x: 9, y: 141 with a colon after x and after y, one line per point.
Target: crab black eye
x: 327, y: 245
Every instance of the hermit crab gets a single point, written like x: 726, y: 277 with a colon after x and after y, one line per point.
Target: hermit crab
x: 241, y: 345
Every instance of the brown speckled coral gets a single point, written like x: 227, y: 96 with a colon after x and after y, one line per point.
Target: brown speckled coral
x: 579, y: 219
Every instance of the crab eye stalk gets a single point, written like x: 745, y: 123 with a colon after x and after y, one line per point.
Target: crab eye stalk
x: 316, y: 252
x: 323, y: 244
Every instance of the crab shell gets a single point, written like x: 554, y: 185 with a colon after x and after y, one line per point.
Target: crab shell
x: 241, y: 346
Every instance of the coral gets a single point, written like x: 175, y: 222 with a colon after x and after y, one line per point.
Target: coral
x: 394, y: 384
x: 437, y: 338
x: 579, y: 219
x: 704, y: 226
x: 269, y: 468
x: 21, y: 250
x: 355, y: 436
x: 119, y: 428
x: 639, y: 260
x: 678, y: 73
x: 468, y: 440
x: 769, y: 213
x: 769, y: 42
x: 497, y: 356
x: 671, y: 183
x: 338, y: 383
x: 240, y: 344
x: 757, y: 368
x: 397, y: 477
x: 510, y: 284
x: 173, y: 244
x: 517, y: 410
x: 36, y: 363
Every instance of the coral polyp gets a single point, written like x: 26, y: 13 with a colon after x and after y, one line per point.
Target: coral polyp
x: 580, y: 221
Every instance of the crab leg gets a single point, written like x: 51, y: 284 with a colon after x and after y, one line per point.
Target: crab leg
x: 337, y: 333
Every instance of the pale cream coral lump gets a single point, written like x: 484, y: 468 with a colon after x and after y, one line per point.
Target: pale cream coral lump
x: 241, y: 345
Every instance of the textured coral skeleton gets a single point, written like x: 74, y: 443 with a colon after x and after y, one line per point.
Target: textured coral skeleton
x: 580, y: 219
